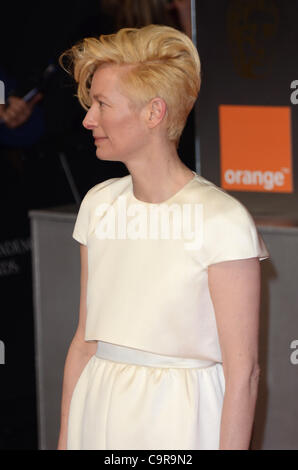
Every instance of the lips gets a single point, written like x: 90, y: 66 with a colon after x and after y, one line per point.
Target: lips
x: 97, y: 140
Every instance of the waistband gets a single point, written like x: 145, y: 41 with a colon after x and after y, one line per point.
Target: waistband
x: 124, y: 354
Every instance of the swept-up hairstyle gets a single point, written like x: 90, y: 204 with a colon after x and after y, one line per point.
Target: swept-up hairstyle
x: 163, y: 62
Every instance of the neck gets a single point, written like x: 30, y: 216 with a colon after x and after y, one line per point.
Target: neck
x: 158, y: 175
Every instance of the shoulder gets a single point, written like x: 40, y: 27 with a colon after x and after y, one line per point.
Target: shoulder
x: 101, y: 193
x: 106, y: 190
x: 229, y: 231
x: 218, y: 205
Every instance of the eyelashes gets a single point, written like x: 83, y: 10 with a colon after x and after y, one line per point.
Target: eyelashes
x: 100, y: 104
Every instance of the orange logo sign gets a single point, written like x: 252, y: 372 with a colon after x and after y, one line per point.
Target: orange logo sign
x: 255, y: 148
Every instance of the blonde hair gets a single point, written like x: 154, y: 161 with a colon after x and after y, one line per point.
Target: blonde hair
x: 164, y: 63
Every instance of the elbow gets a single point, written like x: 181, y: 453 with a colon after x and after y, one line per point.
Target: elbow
x: 256, y: 372
x: 244, y: 377
x: 255, y: 376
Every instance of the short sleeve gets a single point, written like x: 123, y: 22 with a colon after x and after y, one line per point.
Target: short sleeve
x: 80, y: 231
x: 231, y: 234
x: 81, y: 228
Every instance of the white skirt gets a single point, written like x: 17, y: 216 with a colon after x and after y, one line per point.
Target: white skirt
x: 126, y: 398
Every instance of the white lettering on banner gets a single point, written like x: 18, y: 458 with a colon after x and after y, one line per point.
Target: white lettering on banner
x: 9, y: 267
x: 2, y: 92
x: 266, y: 179
x: 15, y: 246
x: 133, y: 222
x: 2, y: 353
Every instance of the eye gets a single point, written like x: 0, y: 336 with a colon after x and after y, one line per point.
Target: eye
x: 100, y: 103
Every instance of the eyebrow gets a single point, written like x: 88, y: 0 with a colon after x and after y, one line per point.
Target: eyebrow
x: 100, y: 94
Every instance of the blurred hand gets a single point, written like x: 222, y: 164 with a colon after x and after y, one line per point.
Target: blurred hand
x: 18, y: 111
x: 2, y: 109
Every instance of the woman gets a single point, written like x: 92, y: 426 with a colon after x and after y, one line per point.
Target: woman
x: 165, y: 353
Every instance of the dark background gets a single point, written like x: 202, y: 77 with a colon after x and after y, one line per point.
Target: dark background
x: 32, y: 35
x: 248, y: 50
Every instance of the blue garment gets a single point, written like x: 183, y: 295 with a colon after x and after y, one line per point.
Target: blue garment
x: 28, y: 133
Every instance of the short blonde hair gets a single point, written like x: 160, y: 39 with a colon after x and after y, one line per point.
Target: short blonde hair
x: 164, y: 63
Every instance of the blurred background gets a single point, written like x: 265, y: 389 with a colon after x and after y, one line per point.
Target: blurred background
x: 240, y: 135
x: 47, y: 159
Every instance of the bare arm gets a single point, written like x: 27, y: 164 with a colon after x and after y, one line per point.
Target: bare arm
x: 235, y: 291
x: 79, y: 353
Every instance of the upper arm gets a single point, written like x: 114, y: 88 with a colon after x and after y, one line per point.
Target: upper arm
x: 235, y: 292
x: 79, y: 336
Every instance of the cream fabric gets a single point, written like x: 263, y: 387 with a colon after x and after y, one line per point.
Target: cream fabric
x: 152, y: 295
x: 159, y: 405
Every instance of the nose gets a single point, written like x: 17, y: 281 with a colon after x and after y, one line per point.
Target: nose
x: 90, y: 121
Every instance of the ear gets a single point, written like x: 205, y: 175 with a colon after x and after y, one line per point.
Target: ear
x: 156, y: 110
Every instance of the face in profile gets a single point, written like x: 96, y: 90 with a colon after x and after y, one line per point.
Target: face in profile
x: 116, y: 124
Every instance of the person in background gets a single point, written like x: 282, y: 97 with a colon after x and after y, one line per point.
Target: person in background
x: 18, y: 111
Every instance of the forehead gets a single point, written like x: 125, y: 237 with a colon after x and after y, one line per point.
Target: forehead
x: 107, y: 79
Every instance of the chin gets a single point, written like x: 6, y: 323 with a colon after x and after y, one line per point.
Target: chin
x: 101, y: 156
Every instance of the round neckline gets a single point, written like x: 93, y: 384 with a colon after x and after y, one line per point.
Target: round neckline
x: 167, y: 200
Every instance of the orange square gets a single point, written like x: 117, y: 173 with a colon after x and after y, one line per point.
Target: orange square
x: 255, y: 148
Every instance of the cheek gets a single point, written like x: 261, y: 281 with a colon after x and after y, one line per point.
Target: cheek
x: 127, y: 127
x: 134, y: 123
